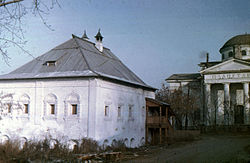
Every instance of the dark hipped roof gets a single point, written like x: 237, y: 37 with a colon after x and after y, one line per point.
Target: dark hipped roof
x: 156, y: 101
x: 209, y: 64
x: 77, y: 58
x: 192, y: 76
x: 237, y: 40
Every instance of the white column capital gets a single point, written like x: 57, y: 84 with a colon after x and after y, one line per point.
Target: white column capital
x: 226, y: 83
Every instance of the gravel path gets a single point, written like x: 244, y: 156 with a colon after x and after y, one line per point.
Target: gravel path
x: 211, y: 148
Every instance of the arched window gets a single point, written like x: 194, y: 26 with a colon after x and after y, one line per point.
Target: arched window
x: 73, y: 145
x: 132, y: 143
x: 114, y: 143
x: 25, y: 100
x: 50, y: 105
x: 126, y: 142
x: 105, y: 144
x: 23, y: 142
x: 243, y: 52
x: 72, y: 104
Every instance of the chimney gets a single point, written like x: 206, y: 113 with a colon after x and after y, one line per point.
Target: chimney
x: 207, y: 57
x: 84, y: 36
x: 98, y: 43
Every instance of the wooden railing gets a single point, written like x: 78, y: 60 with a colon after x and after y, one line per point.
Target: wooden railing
x: 157, y: 120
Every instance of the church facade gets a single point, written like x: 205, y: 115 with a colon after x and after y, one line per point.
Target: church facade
x: 77, y: 90
x: 223, y: 86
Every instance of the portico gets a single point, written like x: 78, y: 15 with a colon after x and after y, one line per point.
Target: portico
x: 227, y: 93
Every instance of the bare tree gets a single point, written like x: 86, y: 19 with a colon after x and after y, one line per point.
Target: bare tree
x: 12, y: 13
x: 184, y: 104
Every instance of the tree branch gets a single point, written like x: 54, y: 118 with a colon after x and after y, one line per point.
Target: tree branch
x: 9, y: 2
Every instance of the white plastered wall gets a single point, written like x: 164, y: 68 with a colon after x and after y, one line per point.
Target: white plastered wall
x: 111, y: 127
x: 37, y: 123
x: 91, y: 96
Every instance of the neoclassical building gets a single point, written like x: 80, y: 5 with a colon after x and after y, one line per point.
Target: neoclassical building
x: 223, y: 85
x: 77, y: 90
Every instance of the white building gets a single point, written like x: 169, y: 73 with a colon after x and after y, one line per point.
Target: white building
x: 223, y: 85
x: 78, y: 89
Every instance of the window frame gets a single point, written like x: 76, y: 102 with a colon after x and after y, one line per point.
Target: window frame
x: 49, y: 101
x: 72, y: 99
x: 107, y: 111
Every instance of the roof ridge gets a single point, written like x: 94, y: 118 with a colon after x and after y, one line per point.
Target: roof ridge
x: 84, y: 56
x: 106, y: 55
x: 74, y: 36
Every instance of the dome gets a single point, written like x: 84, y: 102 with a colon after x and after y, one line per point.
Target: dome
x: 237, y: 40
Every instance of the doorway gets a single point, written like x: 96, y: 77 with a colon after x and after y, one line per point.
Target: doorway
x: 239, y: 114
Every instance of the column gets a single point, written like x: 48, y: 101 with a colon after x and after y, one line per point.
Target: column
x: 246, y: 103
x: 207, y: 113
x: 160, y: 135
x: 226, y: 104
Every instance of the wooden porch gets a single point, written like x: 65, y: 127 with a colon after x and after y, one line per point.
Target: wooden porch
x: 158, y: 121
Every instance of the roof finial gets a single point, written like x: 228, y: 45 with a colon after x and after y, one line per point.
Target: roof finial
x: 99, y: 36
x: 84, y: 36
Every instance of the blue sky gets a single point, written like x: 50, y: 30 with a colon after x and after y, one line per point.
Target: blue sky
x: 154, y: 38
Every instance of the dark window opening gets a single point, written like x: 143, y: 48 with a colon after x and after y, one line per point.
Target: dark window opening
x: 26, y: 108
x: 106, y: 111
x: 119, y: 111
x: 243, y: 53
x: 52, y: 108
x: 153, y: 111
x: 9, y: 108
x: 74, y: 109
x: 50, y: 63
x: 230, y: 54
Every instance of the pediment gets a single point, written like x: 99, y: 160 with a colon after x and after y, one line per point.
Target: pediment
x: 232, y: 65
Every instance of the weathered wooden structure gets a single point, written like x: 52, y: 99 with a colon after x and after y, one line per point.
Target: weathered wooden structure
x: 159, y: 121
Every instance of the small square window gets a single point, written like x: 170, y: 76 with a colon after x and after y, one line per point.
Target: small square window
x: 52, y: 108
x: 119, y: 112
x: 106, y: 111
x: 74, y: 108
x: 26, y: 108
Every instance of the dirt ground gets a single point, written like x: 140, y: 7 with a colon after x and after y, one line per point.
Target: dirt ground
x: 209, y: 148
